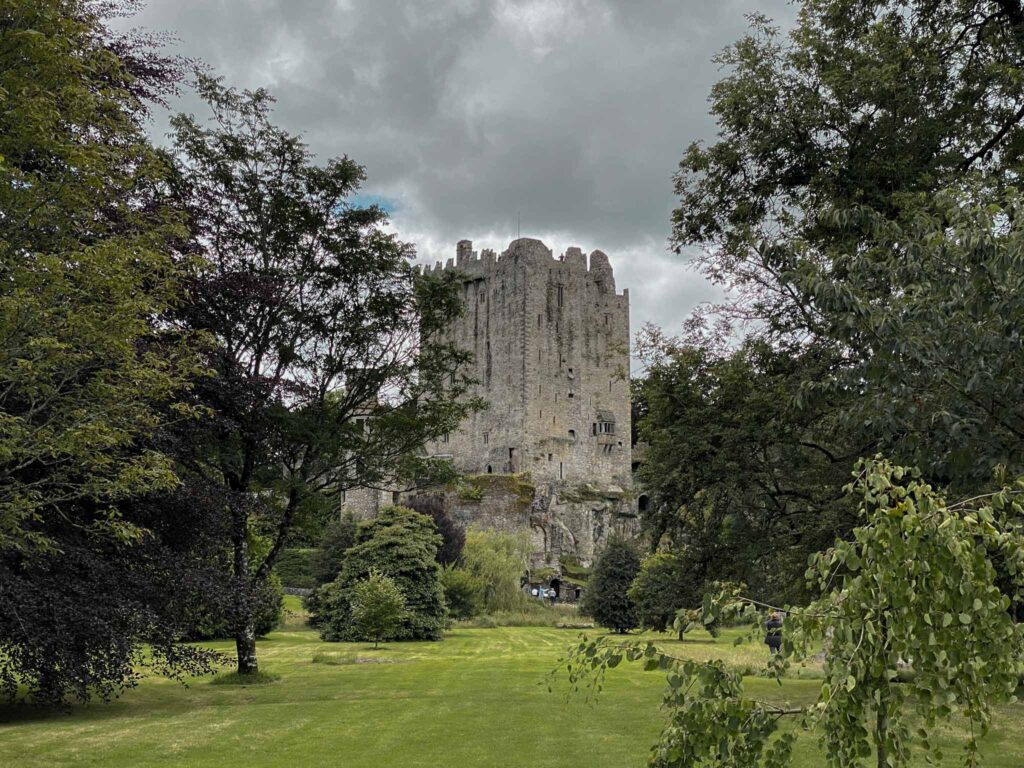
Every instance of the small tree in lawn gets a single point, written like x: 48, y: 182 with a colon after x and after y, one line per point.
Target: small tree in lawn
x: 377, y: 607
x: 607, y: 596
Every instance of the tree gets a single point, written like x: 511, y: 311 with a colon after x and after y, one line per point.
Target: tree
x: 498, y: 561
x: 88, y: 375
x: 663, y: 586
x: 463, y: 592
x: 916, y: 585
x: 377, y: 607
x: 86, y: 259
x: 402, y: 545
x: 453, y: 537
x: 330, y: 371
x: 832, y: 223
x: 606, y: 597
x: 883, y: 101
x: 744, y: 481
x: 339, y: 535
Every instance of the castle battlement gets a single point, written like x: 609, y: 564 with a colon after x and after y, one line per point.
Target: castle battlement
x: 525, y: 250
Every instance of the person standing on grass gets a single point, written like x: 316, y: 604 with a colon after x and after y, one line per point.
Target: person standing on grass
x: 773, y: 632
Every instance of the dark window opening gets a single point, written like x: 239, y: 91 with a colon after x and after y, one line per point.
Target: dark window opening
x: 572, y: 435
x: 561, y: 295
x: 550, y: 456
x: 642, y: 503
x: 489, y: 470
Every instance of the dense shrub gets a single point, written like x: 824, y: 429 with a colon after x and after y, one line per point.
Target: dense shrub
x: 453, y: 538
x: 295, y: 567
x: 463, y: 592
x: 339, y: 535
x: 606, y: 597
x: 498, y: 561
x: 663, y: 586
x: 402, y: 544
x: 213, y: 620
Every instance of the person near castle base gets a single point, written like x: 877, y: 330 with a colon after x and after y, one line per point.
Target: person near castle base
x: 773, y: 632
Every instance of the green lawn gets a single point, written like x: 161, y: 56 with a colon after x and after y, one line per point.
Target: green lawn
x: 476, y: 699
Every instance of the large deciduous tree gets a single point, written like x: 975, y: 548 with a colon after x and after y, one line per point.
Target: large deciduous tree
x: 85, y: 267
x: 330, y: 371
x: 87, y: 374
x: 861, y: 198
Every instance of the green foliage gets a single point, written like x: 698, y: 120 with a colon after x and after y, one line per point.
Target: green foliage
x: 914, y: 586
x: 747, y: 478
x: 497, y: 561
x: 217, y: 620
x: 85, y: 253
x: 339, y: 534
x: 606, y: 597
x: 295, y: 567
x: 463, y: 592
x: 378, y: 607
x: 886, y: 246
x: 401, y: 544
x: 663, y: 586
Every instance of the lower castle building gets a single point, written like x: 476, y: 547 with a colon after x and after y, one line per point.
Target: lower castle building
x: 551, y: 453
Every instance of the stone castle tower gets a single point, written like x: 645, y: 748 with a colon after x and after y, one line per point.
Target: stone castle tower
x: 550, y: 344
x: 551, y: 455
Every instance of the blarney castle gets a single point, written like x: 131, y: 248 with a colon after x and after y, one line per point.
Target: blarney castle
x: 551, y: 454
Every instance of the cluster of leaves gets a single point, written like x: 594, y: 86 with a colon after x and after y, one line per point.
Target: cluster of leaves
x: 401, y: 544
x: 914, y: 586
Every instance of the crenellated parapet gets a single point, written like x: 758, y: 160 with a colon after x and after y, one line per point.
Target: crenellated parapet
x: 526, y: 251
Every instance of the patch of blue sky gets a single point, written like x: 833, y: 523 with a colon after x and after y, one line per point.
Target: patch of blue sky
x: 361, y: 200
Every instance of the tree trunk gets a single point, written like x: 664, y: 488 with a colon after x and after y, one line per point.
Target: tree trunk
x: 882, y: 734
x: 245, y: 591
x: 245, y: 647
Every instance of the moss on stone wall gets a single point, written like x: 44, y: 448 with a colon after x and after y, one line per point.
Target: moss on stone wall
x: 475, y: 487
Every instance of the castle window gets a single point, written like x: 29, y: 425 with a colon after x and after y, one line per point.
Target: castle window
x: 570, y: 373
x: 571, y: 394
x: 451, y: 378
x: 489, y: 470
x: 561, y: 296
x: 395, y: 497
x: 444, y: 438
x: 642, y: 503
x: 538, y: 321
x: 572, y: 435
x: 487, y: 437
x: 550, y: 456
x: 560, y: 477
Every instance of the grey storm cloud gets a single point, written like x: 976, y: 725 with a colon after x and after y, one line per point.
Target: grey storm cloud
x: 472, y: 115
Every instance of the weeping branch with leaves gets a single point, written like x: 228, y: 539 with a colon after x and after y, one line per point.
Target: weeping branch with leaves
x: 914, y: 588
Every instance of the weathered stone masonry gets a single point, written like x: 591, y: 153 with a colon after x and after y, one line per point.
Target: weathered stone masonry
x: 550, y: 344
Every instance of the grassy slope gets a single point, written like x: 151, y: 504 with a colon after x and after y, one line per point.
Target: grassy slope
x: 476, y: 699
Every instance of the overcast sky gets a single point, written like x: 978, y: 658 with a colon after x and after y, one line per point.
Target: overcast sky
x: 468, y: 114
